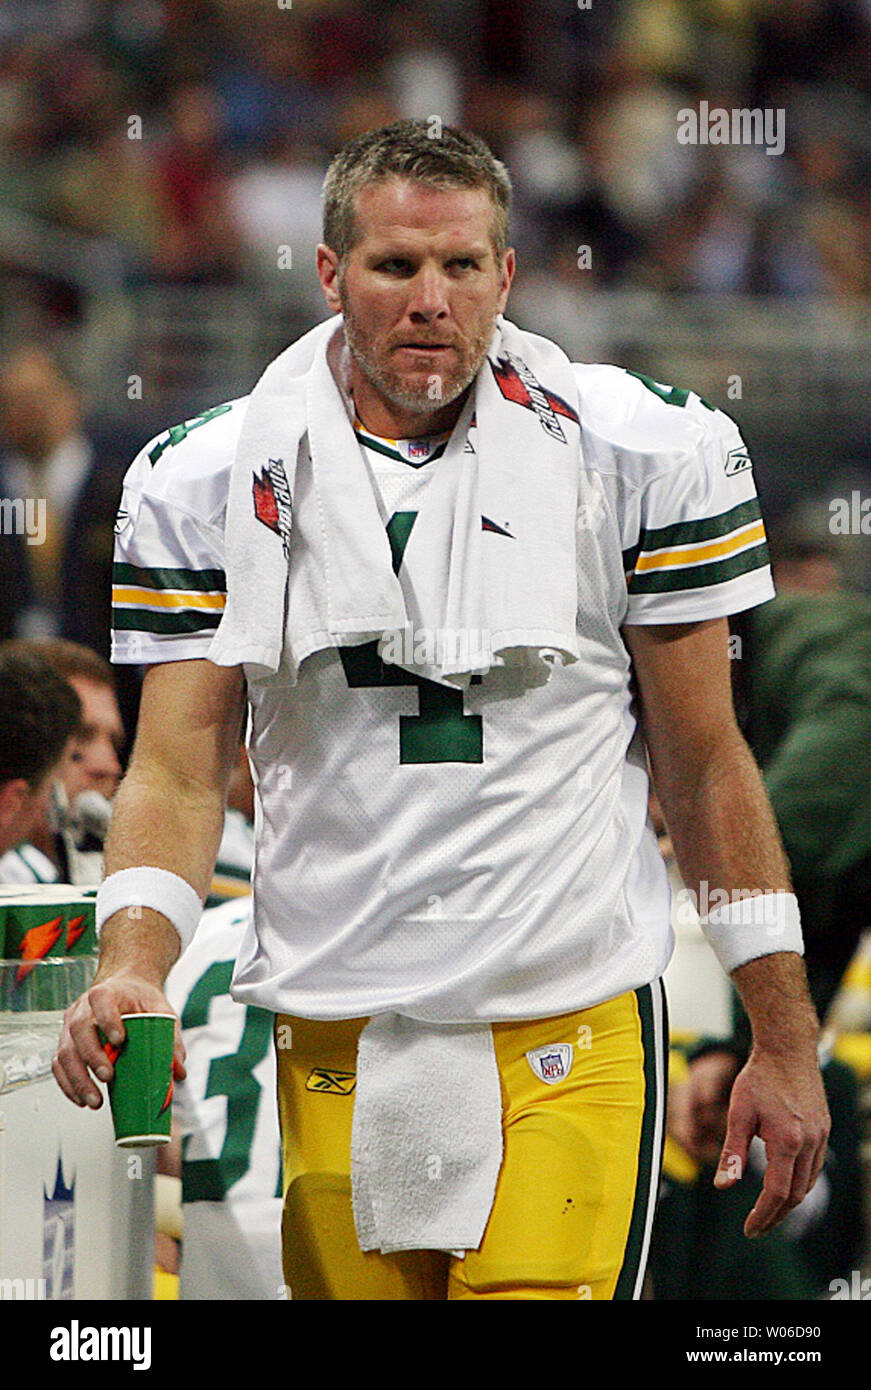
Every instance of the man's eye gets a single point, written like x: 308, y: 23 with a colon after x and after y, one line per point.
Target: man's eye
x: 464, y: 263
x: 394, y: 266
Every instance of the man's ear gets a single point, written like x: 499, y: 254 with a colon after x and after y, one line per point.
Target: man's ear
x: 509, y: 265
x: 328, y: 274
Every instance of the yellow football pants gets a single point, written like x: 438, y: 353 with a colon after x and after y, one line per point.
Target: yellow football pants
x: 575, y: 1197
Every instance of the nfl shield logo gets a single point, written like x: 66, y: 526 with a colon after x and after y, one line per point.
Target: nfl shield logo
x: 418, y: 448
x: 551, y: 1063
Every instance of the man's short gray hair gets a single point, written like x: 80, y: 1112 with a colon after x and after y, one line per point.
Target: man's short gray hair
x: 411, y: 150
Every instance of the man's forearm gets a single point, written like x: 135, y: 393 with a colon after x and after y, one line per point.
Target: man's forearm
x: 727, y: 843
x: 774, y: 992
x: 723, y: 829
x: 145, y: 944
x: 726, y: 840
x: 159, y: 822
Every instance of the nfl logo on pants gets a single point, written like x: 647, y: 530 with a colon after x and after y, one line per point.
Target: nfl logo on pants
x: 551, y: 1063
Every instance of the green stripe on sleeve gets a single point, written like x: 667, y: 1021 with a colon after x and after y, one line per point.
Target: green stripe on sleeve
x: 203, y: 581
x: 166, y: 624
x: 700, y: 576
x: 630, y: 558
x: 707, y: 529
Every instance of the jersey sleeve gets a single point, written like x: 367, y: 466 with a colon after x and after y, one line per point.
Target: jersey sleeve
x: 168, y: 579
x: 694, y: 543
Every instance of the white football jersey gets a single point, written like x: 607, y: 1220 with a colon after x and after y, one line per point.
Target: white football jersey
x: 227, y: 1111
x: 460, y: 856
x: 27, y: 864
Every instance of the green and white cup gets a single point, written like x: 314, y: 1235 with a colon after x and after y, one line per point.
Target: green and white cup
x: 140, y: 1093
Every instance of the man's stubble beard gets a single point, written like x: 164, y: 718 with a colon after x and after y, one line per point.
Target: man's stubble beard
x: 440, y: 387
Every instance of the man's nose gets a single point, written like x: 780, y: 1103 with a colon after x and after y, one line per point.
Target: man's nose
x: 104, y: 769
x: 429, y: 298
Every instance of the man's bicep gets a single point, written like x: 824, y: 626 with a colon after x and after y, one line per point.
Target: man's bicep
x: 190, y: 722
x: 685, y: 695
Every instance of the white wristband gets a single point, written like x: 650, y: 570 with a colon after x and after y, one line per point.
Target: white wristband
x: 160, y: 889
x: 753, y: 926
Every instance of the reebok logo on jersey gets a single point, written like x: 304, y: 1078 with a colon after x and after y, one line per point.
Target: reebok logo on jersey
x: 737, y: 460
x: 551, y: 1063
x: 340, y: 1083
x: 519, y: 384
x: 272, y: 502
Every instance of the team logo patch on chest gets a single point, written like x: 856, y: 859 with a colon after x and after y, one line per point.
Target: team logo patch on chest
x: 340, y: 1083
x: 551, y: 1063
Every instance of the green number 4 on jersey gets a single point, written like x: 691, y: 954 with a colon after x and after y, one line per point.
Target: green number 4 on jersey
x: 441, y: 732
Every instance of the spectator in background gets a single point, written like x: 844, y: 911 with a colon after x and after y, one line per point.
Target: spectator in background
x: 803, y: 695
x: 698, y: 1250
x: 804, y: 564
x: 274, y: 200
x: 643, y: 172
x: 100, y: 179
x: 271, y: 78
x: 198, y: 244
x: 99, y: 744
x: 422, y: 72
x: 108, y: 187
x: 39, y: 713
x: 66, y: 841
x: 62, y: 586
x: 809, y: 41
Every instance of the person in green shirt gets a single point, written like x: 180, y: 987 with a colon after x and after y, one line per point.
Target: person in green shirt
x: 802, y: 685
x: 804, y: 701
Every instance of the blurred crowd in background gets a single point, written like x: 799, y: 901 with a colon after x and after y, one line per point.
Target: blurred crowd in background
x: 240, y: 102
x: 161, y: 164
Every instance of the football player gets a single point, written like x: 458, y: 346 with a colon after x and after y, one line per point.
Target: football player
x: 472, y: 865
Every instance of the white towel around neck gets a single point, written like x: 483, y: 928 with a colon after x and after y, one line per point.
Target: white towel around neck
x: 489, y: 571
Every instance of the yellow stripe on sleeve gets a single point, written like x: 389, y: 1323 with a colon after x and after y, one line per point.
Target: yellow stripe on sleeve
x: 167, y: 598
x: 699, y: 554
